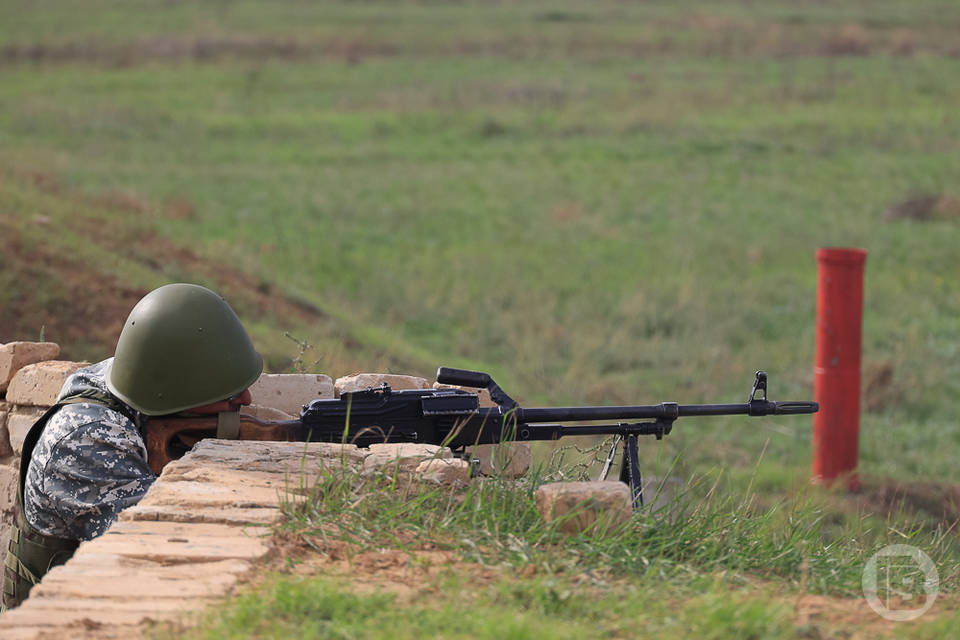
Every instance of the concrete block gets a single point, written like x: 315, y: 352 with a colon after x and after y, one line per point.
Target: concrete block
x: 288, y: 392
x: 39, y: 384
x: 584, y: 506
x: 361, y: 381
x: 16, y: 355
x: 451, y: 471
x: 19, y: 423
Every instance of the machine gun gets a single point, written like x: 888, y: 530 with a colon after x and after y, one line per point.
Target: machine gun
x: 454, y: 418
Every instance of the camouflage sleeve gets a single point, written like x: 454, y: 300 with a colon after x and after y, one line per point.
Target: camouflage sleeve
x: 89, y: 465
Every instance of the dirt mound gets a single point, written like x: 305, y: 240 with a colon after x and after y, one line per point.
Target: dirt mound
x: 83, y: 305
x: 80, y: 307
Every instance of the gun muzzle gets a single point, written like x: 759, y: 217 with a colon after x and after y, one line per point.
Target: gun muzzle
x: 789, y: 408
x: 795, y: 408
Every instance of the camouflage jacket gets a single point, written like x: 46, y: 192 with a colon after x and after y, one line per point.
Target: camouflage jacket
x: 89, y: 464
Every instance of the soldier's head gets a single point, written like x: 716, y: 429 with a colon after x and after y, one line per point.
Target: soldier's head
x: 183, y: 347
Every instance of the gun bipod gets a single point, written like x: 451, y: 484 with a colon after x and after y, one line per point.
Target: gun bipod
x: 630, y: 466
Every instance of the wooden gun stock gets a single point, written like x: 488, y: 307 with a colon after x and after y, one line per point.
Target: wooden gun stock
x: 160, y: 431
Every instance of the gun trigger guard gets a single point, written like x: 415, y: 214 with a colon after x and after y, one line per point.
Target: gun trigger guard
x: 759, y: 384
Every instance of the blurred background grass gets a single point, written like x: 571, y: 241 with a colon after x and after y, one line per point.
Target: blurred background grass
x: 599, y: 202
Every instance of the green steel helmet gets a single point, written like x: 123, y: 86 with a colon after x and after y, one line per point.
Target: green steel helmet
x: 182, y: 347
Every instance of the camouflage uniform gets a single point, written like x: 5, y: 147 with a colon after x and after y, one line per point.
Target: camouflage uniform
x: 89, y: 464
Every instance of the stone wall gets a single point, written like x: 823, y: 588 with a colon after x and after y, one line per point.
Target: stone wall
x: 201, y: 527
x: 31, y: 378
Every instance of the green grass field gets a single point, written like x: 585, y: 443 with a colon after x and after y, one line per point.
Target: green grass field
x: 601, y: 202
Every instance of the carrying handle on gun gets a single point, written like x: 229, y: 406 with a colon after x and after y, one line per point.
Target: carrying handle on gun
x: 463, y: 378
x: 476, y: 380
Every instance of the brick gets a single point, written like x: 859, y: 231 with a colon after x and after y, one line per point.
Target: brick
x: 16, y: 355
x: 274, y: 457
x: 236, y: 516
x: 177, y: 543
x: 221, y: 488
x: 288, y: 392
x: 122, y: 578
x: 404, y: 457
x: 395, y: 450
x: 361, y: 381
x: 77, y: 613
x: 19, y: 423
x: 39, y: 384
x: 584, y: 506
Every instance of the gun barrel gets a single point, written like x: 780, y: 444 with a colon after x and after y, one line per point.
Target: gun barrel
x: 663, y: 410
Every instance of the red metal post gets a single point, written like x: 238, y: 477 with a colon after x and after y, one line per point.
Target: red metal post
x: 836, y: 382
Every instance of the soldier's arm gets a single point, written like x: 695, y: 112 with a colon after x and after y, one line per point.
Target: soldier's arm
x: 80, y: 482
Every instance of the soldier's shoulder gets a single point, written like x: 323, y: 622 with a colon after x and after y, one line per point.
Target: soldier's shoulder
x: 74, y: 416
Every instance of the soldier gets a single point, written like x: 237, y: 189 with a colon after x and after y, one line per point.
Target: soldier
x: 182, y: 349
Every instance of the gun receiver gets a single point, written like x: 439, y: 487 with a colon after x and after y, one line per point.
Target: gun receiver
x: 453, y: 418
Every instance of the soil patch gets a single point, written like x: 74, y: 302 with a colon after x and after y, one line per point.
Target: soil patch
x: 879, y: 386
x: 700, y: 34
x: 925, y: 208
x: 405, y: 573
x: 936, y: 502
x: 193, y: 48
x: 822, y: 615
